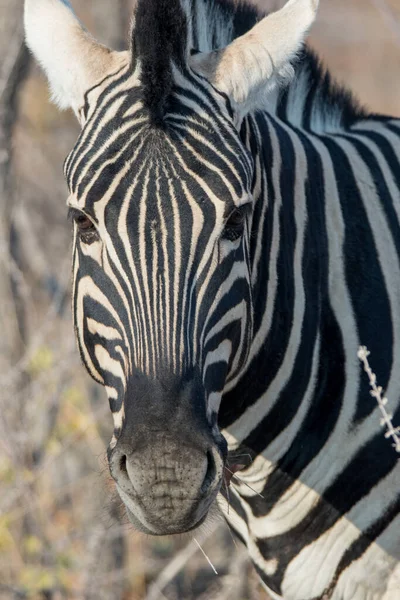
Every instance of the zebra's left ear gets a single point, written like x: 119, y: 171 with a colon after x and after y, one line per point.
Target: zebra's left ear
x: 253, y: 64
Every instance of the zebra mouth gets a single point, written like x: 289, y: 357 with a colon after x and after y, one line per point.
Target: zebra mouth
x: 229, y: 474
x: 178, y: 530
x: 171, y: 495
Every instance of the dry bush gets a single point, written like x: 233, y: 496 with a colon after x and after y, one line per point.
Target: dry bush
x: 62, y: 531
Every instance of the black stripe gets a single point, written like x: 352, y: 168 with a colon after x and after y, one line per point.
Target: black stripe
x: 368, y: 293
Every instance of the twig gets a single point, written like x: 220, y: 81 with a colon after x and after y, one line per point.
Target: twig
x: 376, y: 392
x: 234, y: 583
x: 172, y: 569
x: 46, y: 327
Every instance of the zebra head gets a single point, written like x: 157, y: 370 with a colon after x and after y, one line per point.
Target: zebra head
x: 161, y: 196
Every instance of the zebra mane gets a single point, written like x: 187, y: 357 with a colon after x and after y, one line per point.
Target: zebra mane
x: 315, y: 101
x: 166, y: 30
x: 159, y: 38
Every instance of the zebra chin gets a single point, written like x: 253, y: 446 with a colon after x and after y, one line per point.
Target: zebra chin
x: 168, y: 525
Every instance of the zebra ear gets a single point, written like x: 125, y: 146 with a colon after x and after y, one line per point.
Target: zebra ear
x: 253, y: 64
x: 72, y: 59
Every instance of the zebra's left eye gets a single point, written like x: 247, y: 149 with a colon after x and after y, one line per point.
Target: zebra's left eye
x: 234, y: 226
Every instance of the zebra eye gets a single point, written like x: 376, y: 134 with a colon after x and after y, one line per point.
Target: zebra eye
x: 86, y: 229
x: 84, y: 223
x: 234, y: 226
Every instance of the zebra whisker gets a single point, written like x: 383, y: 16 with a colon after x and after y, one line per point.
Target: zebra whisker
x: 227, y: 493
x: 244, y: 483
x: 206, y: 557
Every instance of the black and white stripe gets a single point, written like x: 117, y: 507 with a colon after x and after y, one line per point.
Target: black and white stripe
x: 268, y: 317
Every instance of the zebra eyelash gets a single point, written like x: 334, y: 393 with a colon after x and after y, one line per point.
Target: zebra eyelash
x: 74, y: 213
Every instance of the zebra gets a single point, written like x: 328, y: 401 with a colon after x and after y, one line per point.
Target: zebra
x: 236, y: 237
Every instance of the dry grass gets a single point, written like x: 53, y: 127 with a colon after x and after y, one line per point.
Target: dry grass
x: 62, y: 532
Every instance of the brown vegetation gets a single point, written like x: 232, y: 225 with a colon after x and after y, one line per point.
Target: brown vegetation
x: 62, y: 532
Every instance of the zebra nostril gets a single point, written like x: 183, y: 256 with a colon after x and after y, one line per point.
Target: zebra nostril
x: 210, y: 473
x: 122, y: 465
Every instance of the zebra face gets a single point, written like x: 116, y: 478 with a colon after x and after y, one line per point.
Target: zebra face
x: 160, y: 195
x: 161, y: 289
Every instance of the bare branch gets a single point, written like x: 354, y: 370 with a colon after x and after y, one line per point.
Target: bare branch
x: 175, y: 565
x: 376, y: 392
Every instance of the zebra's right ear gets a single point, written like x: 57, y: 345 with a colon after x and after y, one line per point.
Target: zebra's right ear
x: 72, y: 60
x: 260, y: 60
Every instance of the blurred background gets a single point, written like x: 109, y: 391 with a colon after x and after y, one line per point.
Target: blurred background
x: 63, y: 534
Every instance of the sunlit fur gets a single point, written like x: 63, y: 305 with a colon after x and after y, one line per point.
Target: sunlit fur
x: 267, y: 325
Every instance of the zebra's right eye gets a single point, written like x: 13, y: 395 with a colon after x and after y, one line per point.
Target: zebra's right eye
x: 234, y: 226
x: 84, y: 223
x: 86, y: 228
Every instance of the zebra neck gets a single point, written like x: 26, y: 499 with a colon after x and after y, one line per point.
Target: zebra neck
x: 287, y: 254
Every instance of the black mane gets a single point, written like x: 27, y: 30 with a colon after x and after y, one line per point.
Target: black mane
x: 159, y: 38
x: 164, y: 28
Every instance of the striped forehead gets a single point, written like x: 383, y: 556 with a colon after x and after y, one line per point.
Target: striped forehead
x: 197, y: 151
